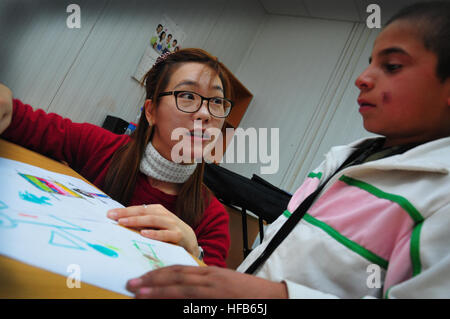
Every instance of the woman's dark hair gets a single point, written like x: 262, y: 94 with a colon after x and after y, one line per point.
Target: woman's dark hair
x: 432, y: 20
x: 122, y: 174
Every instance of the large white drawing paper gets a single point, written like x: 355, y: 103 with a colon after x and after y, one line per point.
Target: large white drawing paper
x: 58, y: 222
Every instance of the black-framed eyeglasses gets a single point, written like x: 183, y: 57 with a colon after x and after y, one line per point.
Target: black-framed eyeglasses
x: 191, y: 102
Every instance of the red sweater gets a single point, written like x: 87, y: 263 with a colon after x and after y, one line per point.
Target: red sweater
x: 88, y: 149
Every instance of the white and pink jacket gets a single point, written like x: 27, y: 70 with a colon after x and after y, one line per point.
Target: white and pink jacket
x: 380, y: 229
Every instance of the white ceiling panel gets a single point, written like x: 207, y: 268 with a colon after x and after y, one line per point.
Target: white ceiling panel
x: 344, y: 10
x: 339, y: 10
x: 285, y: 7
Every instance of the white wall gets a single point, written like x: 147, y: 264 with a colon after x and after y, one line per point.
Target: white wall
x: 301, y: 72
x: 85, y: 74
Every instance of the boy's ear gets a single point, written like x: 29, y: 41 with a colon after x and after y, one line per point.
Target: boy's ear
x: 149, y: 111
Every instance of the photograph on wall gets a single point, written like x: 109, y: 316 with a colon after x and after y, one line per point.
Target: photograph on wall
x: 167, y: 36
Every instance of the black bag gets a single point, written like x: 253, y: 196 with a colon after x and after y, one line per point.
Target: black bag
x: 255, y: 195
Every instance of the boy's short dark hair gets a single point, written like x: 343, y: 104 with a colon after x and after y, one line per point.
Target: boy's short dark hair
x: 433, y: 22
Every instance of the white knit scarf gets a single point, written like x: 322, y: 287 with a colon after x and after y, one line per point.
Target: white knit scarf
x: 157, y: 167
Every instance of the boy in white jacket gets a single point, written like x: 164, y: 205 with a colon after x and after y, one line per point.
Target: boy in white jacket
x: 380, y: 225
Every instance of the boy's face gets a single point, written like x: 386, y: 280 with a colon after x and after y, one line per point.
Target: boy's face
x: 401, y: 96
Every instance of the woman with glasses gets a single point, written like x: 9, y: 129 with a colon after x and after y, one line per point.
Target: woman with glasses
x: 166, y: 200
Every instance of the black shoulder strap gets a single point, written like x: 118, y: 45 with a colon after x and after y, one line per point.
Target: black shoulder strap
x: 365, y: 148
x: 283, y: 232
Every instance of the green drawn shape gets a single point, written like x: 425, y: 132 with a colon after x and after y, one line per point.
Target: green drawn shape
x: 154, y: 260
x: 111, y: 247
x: 33, y: 180
x: 104, y: 250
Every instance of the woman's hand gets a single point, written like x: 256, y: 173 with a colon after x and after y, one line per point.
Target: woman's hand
x: 5, y: 107
x: 204, y: 282
x: 156, y: 222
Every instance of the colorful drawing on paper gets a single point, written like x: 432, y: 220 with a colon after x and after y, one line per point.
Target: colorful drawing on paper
x: 148, y: 252
x: 56, y: 188
x: 52, y: 187
x: 90, y: 194
x: 60, y: 235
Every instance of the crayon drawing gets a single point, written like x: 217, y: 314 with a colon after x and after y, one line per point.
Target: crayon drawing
x: 42, y: 200
x: 56, y: 188
x: 51, y: 220
x: 148, y: 252
x: 58, y: 232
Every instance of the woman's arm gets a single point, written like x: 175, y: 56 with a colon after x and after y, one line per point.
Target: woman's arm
x: 57, y: 137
